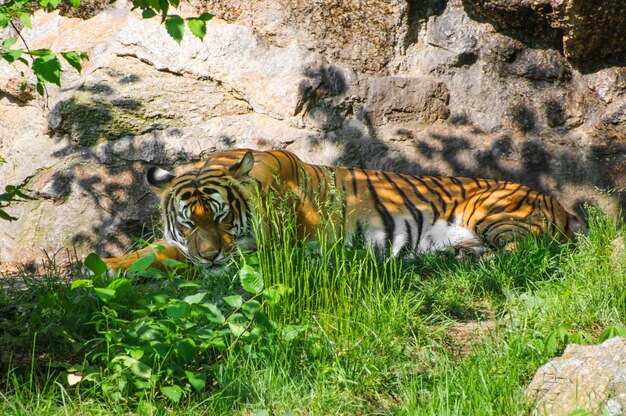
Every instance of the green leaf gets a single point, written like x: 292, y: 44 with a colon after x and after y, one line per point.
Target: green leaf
x: 290, y: 332
x: 40, y: 52
x: 214, y: 315
x: 137, y: 367
x: 550, y: 343
x: 236, y: 329
x: 140, y: 369
x: 250, y: 308
x: 251, y: 279
x: 94, y: 263
x: 235, y: 301
x: 197, y: 27
x: 174, y: 393
x: 142, y: 264
x: 272, y: 295
x: 612, y: 331
x: 8, y: 42
x: 177, y: 310
x: 12, y: 55
x: 174, y: 264
x: 148, y: 13
x: 197, y: 380
x: 175, y: 26
x: 253, y: 336
x: 74, y: 58
x: 25, y: 20
x: 205, y: 17
x: 75, y: 3
x: 4, y: 19
x: 81, y: 283
x: 164, y: 5
x: 187, y: 349
x: 197, y: 298
x: 162, y: 349
x: 48, y: 69
x: 119, y: 285
x: 104, y: 294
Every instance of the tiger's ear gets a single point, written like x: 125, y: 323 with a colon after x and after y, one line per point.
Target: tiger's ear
x: 159, y: 179
x: 243, y: 167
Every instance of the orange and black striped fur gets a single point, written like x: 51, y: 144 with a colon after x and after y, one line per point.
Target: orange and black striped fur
x: 208, y: 210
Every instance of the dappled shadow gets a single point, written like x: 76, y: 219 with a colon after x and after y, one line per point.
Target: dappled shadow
x: 548, y: 161
x: 532, y: 24
x: 104, y: 153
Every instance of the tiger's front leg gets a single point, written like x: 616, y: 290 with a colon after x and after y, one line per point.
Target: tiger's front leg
x: 126, y: 261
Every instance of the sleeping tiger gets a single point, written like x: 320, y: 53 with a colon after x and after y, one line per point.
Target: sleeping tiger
x: 208, y: 210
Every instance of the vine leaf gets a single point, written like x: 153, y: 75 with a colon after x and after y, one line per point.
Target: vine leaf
x: 197, y: 27
x: 47, y: 68
x: 175, y: 26
x: 75, y: 58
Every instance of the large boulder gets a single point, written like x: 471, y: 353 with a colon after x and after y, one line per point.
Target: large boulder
x: 588, y: 378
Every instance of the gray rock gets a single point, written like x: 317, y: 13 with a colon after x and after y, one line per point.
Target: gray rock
x: 587, y: 32
x: 394, y: 99
x: 591, y: 378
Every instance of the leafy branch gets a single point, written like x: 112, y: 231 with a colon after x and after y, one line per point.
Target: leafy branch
x: 46, y: 65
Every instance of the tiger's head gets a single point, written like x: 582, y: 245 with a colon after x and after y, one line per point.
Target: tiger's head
x: 206, y: 211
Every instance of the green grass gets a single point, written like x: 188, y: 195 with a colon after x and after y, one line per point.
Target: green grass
x: 356, y: 334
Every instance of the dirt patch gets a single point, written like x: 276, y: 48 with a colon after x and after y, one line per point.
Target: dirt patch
x: 461, y: 336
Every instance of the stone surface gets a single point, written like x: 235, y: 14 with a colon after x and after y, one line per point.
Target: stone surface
x: 588, y: 32
x: 361, y: 34
x: 591, y: 378
x: 459, y: 87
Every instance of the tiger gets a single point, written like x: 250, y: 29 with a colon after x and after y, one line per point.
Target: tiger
x: 209, y: 209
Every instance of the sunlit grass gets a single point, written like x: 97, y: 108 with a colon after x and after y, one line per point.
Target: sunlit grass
x: 357, y: 334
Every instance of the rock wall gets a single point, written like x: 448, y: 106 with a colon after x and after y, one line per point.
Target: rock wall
x: 528, y: 90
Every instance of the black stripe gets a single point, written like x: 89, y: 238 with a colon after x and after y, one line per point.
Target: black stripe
x: 452, y: 216
x: 353, y: 176
x: 521, y: 201
x: 410, y: 234
x: 477, y: 182
x: 322, y: 183
x: 421, y: 196
x: 280, y: 165
x: 509, y: 220
x: 415, y: 212
x: 443, y: 188
x: 294, y: 164
x: 480, y: 199
x: 344, y: 204
x: 315, y: 197
x: 491, y: 211
x: 382, y: 211
x: 458, y: 183
x: 443, y: 203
